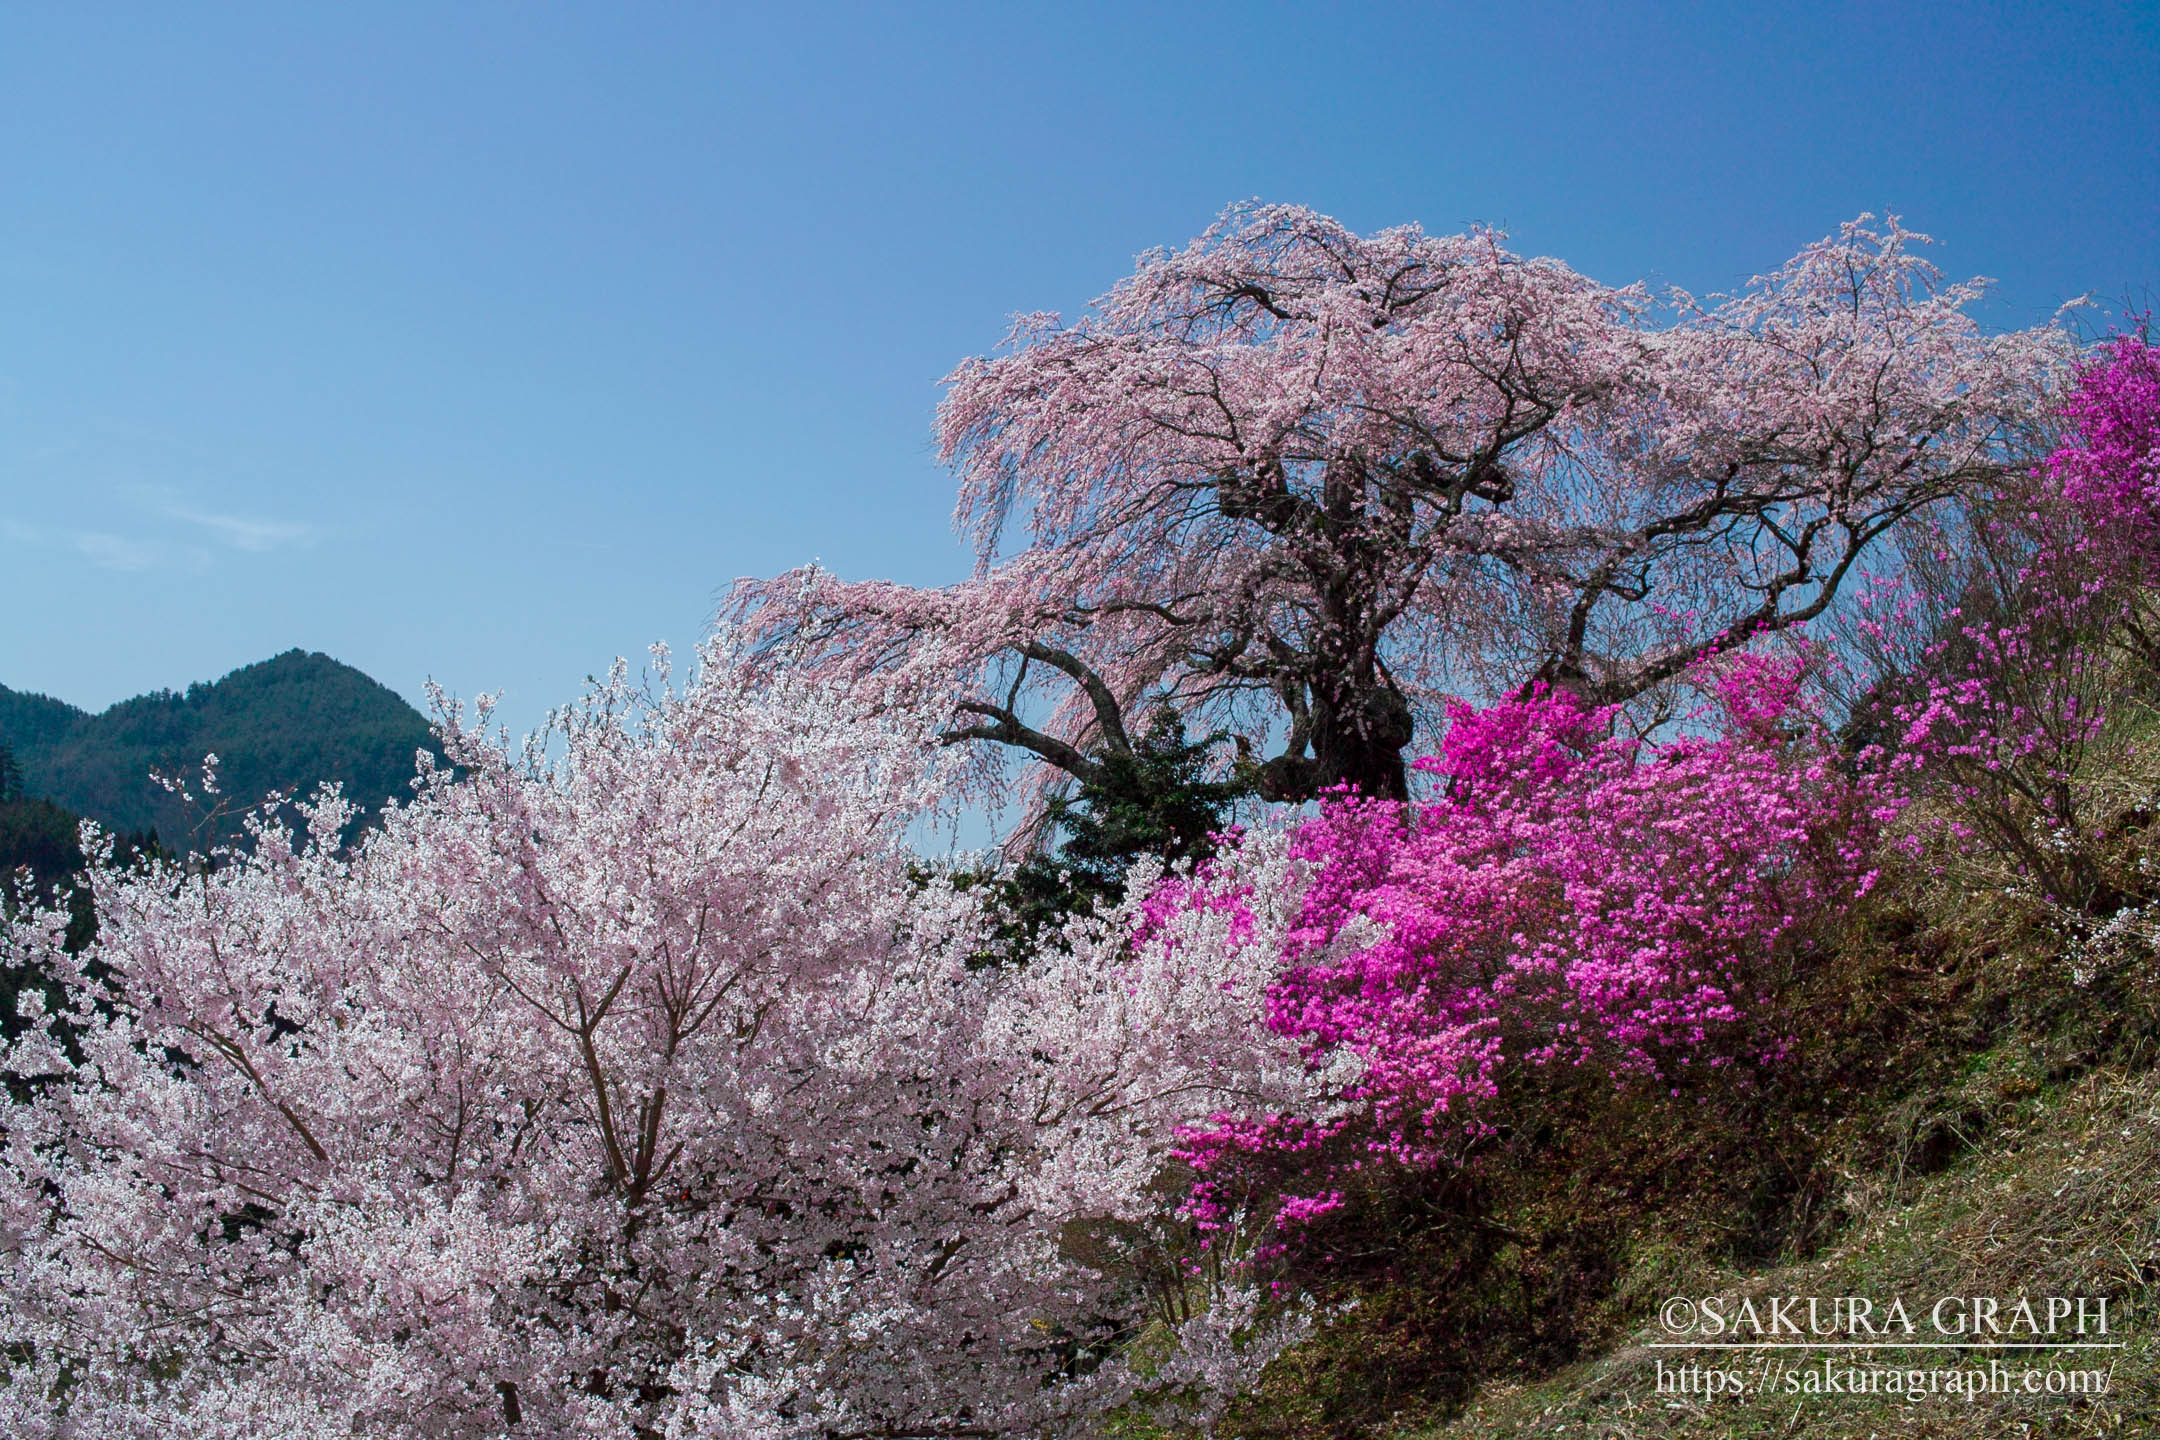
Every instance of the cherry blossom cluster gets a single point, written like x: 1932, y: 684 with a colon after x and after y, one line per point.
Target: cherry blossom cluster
x: 630, y: 1083
x: 1306, y: 483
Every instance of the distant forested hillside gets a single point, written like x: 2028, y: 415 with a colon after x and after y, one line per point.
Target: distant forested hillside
x: 286, y: 723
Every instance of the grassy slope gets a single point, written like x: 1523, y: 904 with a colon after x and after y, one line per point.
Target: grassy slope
x: 2062, y: 1197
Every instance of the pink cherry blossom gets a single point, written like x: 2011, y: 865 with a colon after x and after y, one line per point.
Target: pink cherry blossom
x: 1306, y: 483
x: 629, y: 1083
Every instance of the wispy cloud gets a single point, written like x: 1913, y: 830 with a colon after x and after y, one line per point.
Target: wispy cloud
x: 244, y: 532
x: 99, y: 504
x: 108, y: 551
x: 118, y: 552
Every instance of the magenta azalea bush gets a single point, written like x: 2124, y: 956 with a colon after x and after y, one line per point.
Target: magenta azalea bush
x: 2016, y: 688
x: 2109, y: 465
x: 1570, y: 897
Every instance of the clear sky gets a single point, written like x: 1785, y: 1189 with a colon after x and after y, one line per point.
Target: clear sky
x: 488, y: 345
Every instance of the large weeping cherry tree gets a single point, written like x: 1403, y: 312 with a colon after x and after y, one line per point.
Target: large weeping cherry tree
x: 1301, y: 483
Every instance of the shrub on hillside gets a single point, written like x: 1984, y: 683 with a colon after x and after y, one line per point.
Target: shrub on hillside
x: 2022, y: 725
x: 1573, y: 900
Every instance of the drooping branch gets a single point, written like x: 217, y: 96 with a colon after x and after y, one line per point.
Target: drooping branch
x: 1306, y: 483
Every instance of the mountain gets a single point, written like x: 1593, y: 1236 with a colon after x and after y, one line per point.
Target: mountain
x: 287, y: 723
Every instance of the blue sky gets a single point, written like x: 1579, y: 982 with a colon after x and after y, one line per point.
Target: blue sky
x: 488, y: 345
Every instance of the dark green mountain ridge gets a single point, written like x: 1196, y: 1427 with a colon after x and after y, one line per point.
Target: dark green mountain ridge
x: 286, y: 723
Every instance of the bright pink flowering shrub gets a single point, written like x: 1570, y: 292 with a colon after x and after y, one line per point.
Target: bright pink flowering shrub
x: 1571, y: 897
x: 2108, y: 468
x: 2014, y: 689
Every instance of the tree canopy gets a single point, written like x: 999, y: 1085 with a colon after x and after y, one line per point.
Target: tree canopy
x: 1304, y: 483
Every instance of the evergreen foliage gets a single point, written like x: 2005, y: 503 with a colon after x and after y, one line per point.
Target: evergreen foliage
x: 1164, y: 797
x: 41, y: 859
x: 286, y: 723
